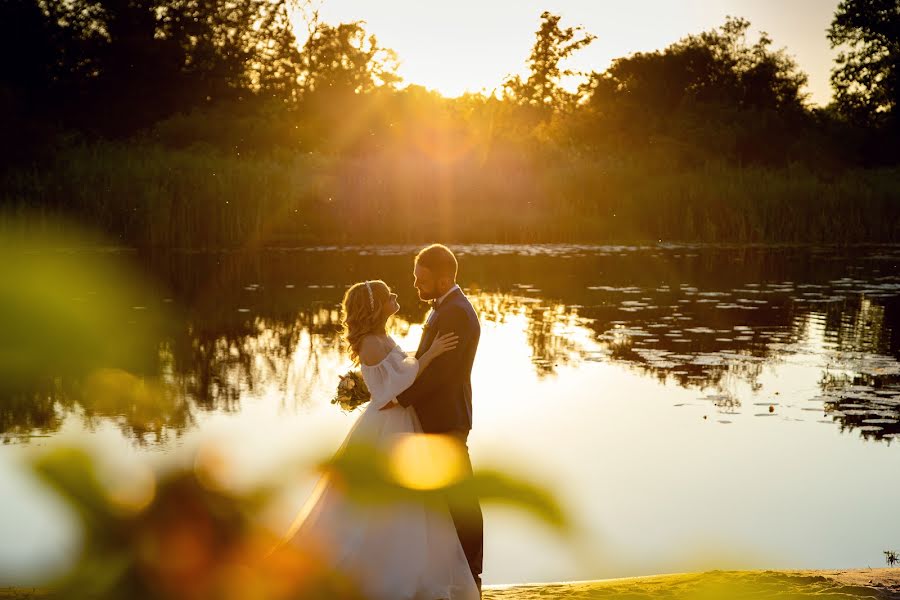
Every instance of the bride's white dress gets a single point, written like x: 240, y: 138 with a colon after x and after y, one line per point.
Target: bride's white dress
x: 394, y: 552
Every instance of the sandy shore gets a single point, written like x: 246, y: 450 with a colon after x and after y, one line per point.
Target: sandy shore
x: 714, y: 585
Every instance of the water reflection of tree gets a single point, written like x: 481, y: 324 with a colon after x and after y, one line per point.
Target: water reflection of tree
x: 203, y: 369
x: 860, y: 386
x: 550, y: 327
x: 25, y: 414
x: 216, y: 363
x: 679, y: 366
x: 217, y: 369
x: 852, y: 325
x: 235, y: 356
x: 866, y: 403
x: 270, y: 321
x: 144, y: 409
x: 857, y: 326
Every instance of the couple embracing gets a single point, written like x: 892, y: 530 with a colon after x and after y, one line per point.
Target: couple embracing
x: 414, y: 550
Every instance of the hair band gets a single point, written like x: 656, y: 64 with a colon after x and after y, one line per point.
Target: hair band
x: 371, y: 297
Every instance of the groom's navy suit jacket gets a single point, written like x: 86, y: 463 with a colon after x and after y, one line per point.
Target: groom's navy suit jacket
x: 442, y: 394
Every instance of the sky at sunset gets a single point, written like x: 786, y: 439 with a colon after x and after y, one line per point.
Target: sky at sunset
x: 471, y: 45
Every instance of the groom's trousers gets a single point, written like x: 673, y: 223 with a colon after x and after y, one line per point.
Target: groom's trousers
x: 466, y: 513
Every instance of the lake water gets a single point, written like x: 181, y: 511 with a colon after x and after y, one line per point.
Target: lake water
x: 692, y: 406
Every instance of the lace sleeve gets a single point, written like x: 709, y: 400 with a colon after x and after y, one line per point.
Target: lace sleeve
x: 390, y: 377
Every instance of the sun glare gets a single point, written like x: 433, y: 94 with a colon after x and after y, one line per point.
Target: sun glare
x: 427, y: 462
x: 470, y: 46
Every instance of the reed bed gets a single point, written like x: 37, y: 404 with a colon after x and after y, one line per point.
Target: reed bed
x: 148, y: 195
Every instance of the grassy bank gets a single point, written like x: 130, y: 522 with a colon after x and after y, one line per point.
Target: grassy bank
x: 148, y: 195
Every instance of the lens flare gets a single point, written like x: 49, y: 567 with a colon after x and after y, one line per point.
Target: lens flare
x: 427, y: 462
x: 212, y: 468
x: 133, y: 493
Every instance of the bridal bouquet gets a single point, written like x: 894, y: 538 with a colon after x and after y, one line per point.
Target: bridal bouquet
x: 351, y: 391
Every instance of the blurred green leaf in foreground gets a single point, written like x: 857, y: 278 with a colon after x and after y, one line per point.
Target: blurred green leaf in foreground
x: 78, y: 327
x: 74, y: 329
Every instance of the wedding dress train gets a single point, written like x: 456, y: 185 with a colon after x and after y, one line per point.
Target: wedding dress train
x: 391, y: 552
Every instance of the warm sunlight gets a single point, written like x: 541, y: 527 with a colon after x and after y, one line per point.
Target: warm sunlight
x: 426, y: 462
x: 501, y: 299
x: 472, y: 45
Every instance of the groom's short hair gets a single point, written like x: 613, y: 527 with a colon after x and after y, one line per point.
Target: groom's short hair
x: 438, y: 259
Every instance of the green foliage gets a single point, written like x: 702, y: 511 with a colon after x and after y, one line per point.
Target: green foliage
x: 344, y: 59
x: 239, y: 128
x: 149, y: 195
x: 115, y: 67
x: 317, y: 144
x: 712, y: 92
x: 866, y: 79
x: 166, y: 536
x: 75, y: 332
x: 180, y: 531
x: 367, y: 478
x: 70, y: 332
x: 552, y: 46
x: 118, y: 67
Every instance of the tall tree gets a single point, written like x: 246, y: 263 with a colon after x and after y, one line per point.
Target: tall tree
x: 717, y: 67
x: 866, y: 79
x: 553, y: 45
x: 344, y: 73
x: 345, y: 59
x: 714, y: 89
x: 119, y: 65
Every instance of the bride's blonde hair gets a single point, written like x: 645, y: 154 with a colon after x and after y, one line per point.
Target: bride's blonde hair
x: 362, y: 316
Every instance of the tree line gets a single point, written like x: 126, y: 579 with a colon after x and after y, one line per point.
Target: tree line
x: 120, y: 68
x: 211, y: 123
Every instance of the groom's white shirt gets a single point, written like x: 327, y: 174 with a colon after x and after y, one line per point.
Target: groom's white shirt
x: 450, y: 291
x: 438, y: 303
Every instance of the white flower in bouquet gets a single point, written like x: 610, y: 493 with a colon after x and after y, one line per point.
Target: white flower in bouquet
x: 351, y: 391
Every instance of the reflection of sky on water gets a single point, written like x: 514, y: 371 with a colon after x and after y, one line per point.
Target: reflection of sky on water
x: 685, y: 424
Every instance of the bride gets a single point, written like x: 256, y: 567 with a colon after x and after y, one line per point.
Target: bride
x: 409, y: 551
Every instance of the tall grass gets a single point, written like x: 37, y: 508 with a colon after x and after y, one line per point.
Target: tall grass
x: 149, y: 195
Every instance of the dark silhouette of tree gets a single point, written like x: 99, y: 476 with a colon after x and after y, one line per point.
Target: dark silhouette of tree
x: 713, y: 88
x: 234, y: 77
x: 866, y: 79
x: 278, y: 67
x: 345, y: 73
x: 46, y: 53
x: 344, y: 59
x: 715, y: 67
x: 552, y: 46
x: 117, y: 66
x: 38, y: 46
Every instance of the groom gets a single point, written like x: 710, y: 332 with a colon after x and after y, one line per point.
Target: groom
x: 442, y: 395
